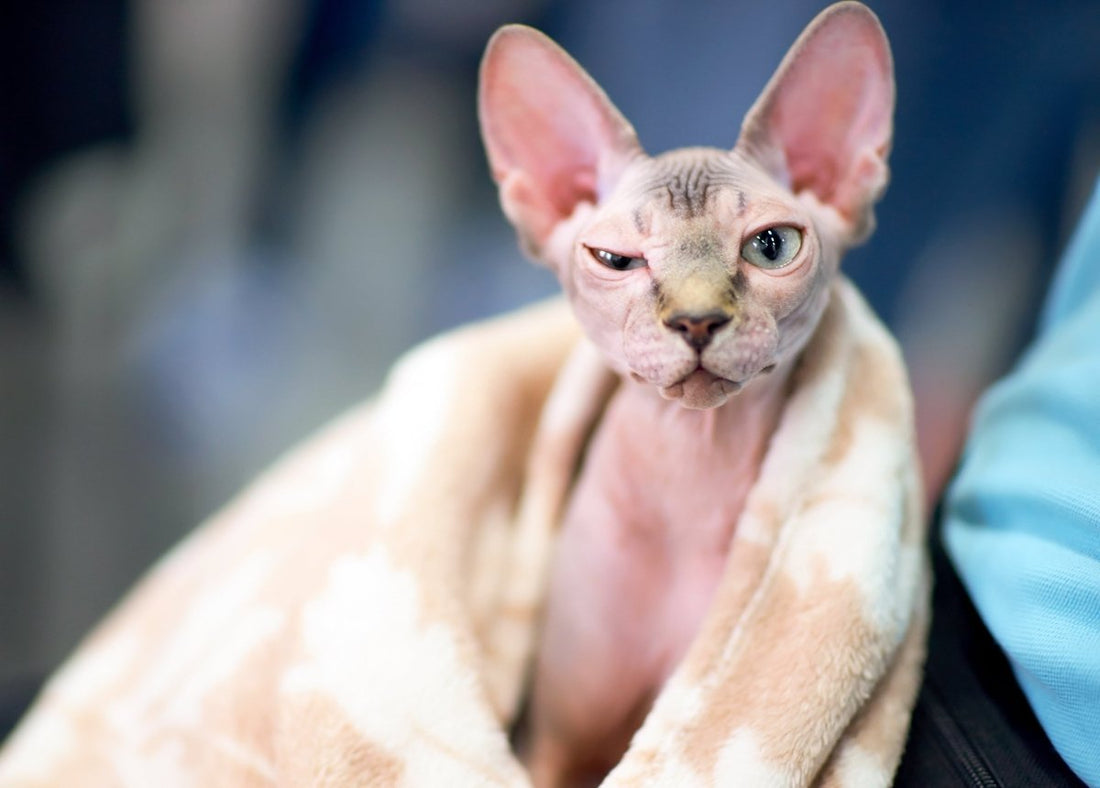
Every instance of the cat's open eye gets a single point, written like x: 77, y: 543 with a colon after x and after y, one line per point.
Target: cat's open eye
x: 619, y: 262
x: 774, y: 247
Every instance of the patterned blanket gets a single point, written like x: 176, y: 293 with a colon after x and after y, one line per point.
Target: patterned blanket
x: 365, y: 613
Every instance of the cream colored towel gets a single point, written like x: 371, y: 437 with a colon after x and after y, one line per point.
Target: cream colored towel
x: 365, y: 613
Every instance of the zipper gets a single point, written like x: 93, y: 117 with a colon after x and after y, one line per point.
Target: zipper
x: 963, y: 754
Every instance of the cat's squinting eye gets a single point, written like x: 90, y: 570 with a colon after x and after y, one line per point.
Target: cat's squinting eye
x: 773, y: 248
x: 618, y: 262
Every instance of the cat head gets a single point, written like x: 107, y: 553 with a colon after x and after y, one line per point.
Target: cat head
x: 699, y: 269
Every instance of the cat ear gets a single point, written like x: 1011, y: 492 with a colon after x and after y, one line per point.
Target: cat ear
x: 554, y: 139
x: 825, y: 121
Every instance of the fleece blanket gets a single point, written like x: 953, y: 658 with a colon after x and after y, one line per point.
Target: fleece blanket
x: 365, y: 613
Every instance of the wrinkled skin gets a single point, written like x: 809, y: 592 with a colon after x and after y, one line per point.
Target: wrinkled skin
x: 693, y: 268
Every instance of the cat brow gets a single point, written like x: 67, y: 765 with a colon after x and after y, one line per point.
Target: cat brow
x: 687, y: 186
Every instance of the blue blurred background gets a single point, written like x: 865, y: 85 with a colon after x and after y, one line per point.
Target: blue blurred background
x: 221, y: 221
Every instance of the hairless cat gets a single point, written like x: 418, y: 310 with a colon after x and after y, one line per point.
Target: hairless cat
x: 699, y: 275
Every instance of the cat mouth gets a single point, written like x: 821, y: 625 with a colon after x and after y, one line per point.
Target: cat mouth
x: 700, y: 384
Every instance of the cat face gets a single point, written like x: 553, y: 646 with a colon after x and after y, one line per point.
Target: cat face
x: 696, y: 274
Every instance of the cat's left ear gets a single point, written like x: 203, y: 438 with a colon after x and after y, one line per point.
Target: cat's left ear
x: 825, y: 121
x: 554, y: 139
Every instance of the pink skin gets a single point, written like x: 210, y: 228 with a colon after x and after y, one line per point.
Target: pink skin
x: 692, y: 263
x: 648, y: 526
x: 642, y: 548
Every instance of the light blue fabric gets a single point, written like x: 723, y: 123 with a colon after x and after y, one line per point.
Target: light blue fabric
x: 1023, y: 516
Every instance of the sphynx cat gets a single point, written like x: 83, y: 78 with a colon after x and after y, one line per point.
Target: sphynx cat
x: 699, y: 274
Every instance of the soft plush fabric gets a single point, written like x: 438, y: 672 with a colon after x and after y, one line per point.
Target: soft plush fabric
x: 366, y: 612
x: 1023, y: 517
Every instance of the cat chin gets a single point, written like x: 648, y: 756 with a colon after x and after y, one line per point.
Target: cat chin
x: 701, y: 390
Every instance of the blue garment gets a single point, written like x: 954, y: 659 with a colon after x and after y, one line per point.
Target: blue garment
x: 1023, y: 516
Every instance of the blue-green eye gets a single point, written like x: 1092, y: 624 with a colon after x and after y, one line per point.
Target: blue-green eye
x: 774, y: 247
x: 619, y: 262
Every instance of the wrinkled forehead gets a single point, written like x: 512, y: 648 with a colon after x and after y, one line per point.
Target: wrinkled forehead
x: 696, y: 185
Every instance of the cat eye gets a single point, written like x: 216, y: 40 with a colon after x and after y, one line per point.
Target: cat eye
x: 774, y: 247
x: 619, y: 262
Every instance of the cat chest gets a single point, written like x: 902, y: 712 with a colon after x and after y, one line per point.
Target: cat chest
x: 647, y: 530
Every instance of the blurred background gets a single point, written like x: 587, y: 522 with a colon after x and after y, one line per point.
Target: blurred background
x: 221, y: 220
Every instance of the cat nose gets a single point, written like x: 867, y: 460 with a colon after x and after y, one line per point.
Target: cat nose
x: 697, y: 330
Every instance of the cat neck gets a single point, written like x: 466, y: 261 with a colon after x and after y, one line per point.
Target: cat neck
x: 748, y: 418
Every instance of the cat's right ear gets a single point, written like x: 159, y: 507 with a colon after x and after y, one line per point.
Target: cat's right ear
x: 825, y: 121
x: 553, y: 138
